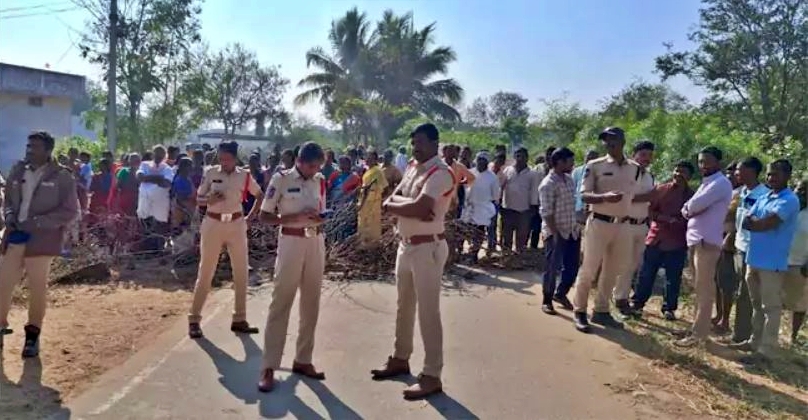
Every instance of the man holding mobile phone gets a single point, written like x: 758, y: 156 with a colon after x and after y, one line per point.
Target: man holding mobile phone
x: 223, y: 189
x: 295, y: 200
x: 608, y: 186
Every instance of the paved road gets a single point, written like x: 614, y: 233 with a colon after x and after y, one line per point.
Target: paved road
x: 504, y: 360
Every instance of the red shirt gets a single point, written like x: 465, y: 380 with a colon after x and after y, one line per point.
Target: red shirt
x: 668, y: 227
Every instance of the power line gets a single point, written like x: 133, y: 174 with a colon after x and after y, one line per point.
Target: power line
x: 38, y: 6
x: 44, y: 13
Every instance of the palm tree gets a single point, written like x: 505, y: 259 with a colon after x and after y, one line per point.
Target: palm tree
x: 381, y: 76
x: 407, y: 64
x: 341, y: 73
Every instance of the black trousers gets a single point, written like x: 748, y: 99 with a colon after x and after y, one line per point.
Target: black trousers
x: 563, y: 257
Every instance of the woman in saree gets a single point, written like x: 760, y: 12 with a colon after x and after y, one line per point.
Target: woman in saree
x: 124, y: 204
x: 369, y: 215
x: 183, y: 197
x: 342, y: 188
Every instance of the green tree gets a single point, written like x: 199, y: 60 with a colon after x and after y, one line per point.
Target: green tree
x: 379, y: 74
x: 232, y: 87
x: 750, y: 54
x: 340, y: 74
x: 639, y: 100
x: 478, y: 114
x: 508, y: 105
x: 563, y: 120
x: 406, y: 65
x: 154, y: 37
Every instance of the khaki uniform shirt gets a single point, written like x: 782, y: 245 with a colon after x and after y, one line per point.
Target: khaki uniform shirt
x: 31, y: 179
x: 231, y: 184
x: 289, y: 193
x: 438, y: 184
x: 644, y: 185
x: 605, y: 174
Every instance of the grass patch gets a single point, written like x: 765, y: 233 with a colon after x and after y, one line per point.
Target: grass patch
x: 710, y: 381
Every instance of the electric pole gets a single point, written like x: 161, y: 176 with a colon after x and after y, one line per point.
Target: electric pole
x: 112, y: 62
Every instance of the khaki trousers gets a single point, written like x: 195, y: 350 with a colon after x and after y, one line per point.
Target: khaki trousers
x: 603, y: 244
x: 13, y: 267
x: 419, y: 271
x: 636, y: 244
x: 705, y: 260
x: 299, y: 264
x: 216, y: 234
x: 765, y: 290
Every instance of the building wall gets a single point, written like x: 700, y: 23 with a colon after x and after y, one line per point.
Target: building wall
x: 20, y: 114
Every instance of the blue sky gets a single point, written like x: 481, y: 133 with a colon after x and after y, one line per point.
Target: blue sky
x: 588, y: 49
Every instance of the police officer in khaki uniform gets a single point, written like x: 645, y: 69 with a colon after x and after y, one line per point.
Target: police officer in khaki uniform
x: 40, y: 200
x: 425, y: 194
x: 608, y: 187
x: 638, y: 223
x: 295, y: 200
x: 223, y: 189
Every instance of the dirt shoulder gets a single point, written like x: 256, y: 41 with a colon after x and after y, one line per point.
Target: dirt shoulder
x: 88, y: 330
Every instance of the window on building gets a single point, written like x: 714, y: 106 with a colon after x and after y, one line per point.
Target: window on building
x: 35, y: 101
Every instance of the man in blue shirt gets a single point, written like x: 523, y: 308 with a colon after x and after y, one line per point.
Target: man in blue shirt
x: 578, y: 177
x: 772, y: 222
x: 751, y: 190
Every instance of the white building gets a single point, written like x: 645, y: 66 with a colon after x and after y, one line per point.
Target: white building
x: 34, y: 99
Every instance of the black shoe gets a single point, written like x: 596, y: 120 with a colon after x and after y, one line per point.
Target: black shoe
x: 636, y: 310
x: 31, y: 347
x: 563, y: 301
x: 607, y: 320
x: 754, y: 359
x: 243, y: 327
x: 669, y: 315
x: 195, y: 330
x: 548, y: 309
x: 624, y: 308
x: 581, y: 323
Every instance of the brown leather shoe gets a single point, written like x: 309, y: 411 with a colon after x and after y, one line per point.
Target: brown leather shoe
x: 394, y: 367
x: 307, y: 370
x: 426, y: 386
x: 267, y: 381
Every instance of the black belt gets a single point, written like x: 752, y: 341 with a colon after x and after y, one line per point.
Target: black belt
x: 633, y: 221
x: 609, y: 219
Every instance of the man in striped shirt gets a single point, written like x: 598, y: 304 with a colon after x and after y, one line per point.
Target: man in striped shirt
x: 560, y: 230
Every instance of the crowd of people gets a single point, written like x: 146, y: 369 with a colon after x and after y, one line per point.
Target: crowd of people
x: 606, y: 224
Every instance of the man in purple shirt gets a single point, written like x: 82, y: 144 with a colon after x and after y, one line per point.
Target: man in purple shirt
x: 705, y: 213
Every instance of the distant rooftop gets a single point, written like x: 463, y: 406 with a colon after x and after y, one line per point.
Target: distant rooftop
x: 41, y: 82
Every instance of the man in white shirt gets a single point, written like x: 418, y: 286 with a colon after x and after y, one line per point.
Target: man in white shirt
x: 520, y: 201
x: 795, y: 286
x: 154, y: 202
x: 402, y: 161
x: 481, y: 197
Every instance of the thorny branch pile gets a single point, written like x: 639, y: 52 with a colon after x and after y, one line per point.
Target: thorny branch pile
x: 111, y: 244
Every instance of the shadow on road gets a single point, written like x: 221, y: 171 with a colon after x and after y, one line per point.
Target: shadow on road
x: 240, y: 377
x: 283, y: 401
x: 28, y: 398
x: 444, y: 404
x: 237, y: 376
x: 518, y: 284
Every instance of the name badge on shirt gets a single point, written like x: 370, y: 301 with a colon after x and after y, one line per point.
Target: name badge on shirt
x: 48, y: 184
x: 608, y: 174
x: 293, y: 190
